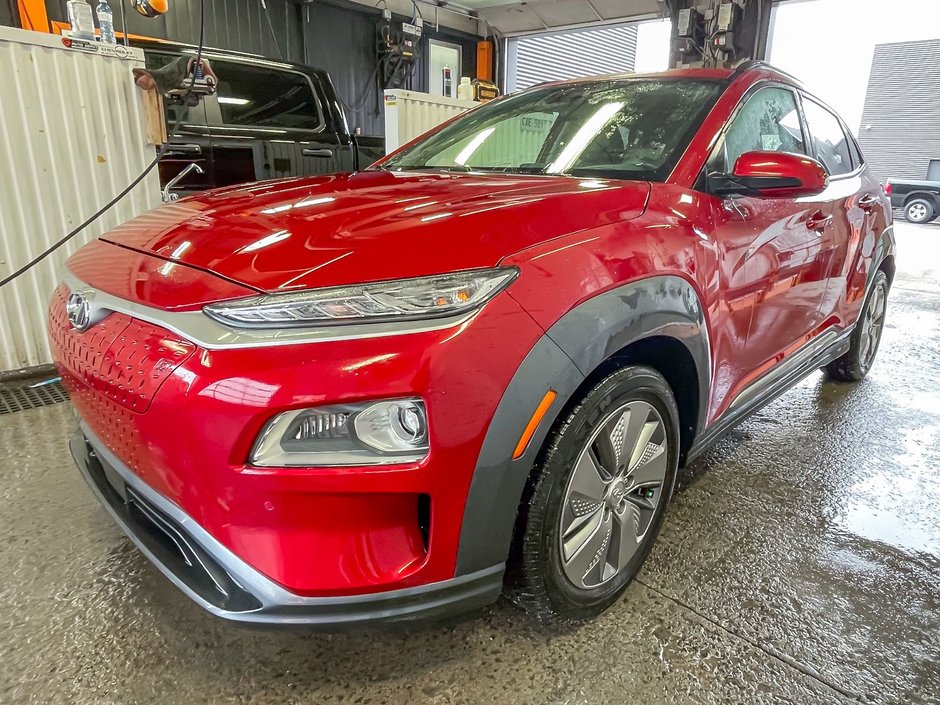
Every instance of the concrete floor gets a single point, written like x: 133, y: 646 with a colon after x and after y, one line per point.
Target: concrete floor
x: 800, y: 562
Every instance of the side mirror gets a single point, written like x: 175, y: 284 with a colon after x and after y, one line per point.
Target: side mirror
x: 772, y: 174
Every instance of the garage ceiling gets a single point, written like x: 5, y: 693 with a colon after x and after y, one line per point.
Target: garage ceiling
x: 540, y: 15
x: 508, y: 17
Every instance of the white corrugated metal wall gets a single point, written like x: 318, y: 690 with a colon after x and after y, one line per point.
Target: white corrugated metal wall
x: 72, y: 136
x: 410, y: 113
x: 537, y: 58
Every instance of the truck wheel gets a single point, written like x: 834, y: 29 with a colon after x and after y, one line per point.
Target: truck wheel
x: 596, y: 499
x: 918, y: 210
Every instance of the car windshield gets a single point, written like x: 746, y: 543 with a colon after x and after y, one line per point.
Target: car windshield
x: 620, y: 129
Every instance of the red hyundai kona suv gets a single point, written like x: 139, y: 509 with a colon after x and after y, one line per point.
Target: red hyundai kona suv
x: 476, y: 366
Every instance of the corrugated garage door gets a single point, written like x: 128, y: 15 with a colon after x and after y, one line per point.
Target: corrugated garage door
x: 901, y: 122
x: 583, y: 52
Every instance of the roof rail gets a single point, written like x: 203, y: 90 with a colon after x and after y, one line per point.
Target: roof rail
x: 759, y: 64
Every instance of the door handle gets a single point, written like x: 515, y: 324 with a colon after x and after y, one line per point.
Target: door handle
x: 867, y: 202
x: 819, y: 221
x: 183, y: 149
x: 322, y: 153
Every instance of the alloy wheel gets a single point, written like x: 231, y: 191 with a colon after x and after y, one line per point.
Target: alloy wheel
x: 612, y: 494
x: 873, y: 325
x: 917, y: 212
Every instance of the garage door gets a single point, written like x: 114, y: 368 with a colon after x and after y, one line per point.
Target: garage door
x: 538, y: 58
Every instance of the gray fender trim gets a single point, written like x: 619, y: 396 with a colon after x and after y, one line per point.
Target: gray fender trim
x: 561, y: 360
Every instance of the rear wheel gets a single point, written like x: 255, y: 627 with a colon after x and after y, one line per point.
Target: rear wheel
x: 595, y: 502
x: 866, y: 337
x: 918, y: 210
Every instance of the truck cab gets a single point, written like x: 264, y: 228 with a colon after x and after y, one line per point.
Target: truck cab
x: 918, y: 200
x: 267, y: 120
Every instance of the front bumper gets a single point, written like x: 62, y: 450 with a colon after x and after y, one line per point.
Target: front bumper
x: 223, y: 584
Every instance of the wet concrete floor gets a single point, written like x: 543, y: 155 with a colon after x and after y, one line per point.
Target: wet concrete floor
x: 799, y: 563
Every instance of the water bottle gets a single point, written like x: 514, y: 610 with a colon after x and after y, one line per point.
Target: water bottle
x: 105, y: 22
x: 465, y: 89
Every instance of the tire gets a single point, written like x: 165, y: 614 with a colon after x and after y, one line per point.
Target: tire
x: 855, y: 364
x: 919, y: 210
x: 610, y: 511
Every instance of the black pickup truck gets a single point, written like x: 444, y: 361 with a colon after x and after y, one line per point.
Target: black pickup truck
x: 267, y: 120
x: 919, y: 200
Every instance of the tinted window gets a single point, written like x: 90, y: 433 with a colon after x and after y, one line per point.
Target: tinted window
x: 768, y: 122
x: 621, y: 129
x: 832, y: 147
x: 256, y: 96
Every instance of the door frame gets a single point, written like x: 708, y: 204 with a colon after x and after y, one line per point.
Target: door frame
x: 455, y: 77
x: 931, y: 162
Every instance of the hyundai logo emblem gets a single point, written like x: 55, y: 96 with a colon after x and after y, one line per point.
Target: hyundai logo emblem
x: 78, y: 310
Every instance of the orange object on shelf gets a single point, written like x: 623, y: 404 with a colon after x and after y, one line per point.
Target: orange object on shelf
x: 485, y: 60
x: 59, y: 27
x: 33, y: 15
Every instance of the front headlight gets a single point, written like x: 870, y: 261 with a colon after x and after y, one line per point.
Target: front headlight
x: 402, y: 299
x: 371, y: 433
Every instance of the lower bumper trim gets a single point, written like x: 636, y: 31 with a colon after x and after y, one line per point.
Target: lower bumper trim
x: 221, y: 583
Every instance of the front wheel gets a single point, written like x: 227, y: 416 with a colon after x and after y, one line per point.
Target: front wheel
x: 595, y: 502
x: 866, y: 337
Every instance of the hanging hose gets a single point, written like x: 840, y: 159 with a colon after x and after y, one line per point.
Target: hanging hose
x: 150, y: 167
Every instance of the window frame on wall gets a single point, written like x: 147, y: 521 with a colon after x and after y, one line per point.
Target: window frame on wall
x: 931, y: 162
x: 456, y: 74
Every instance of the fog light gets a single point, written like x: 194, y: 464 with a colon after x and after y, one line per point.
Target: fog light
x: 410, y: 420
x: 392, y: 426
x: 370, y: 433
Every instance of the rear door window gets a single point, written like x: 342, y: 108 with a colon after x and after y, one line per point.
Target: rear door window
x: 829, y: 140
x: 259, y: 96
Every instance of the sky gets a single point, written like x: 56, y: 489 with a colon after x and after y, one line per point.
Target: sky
x: 827, y: 44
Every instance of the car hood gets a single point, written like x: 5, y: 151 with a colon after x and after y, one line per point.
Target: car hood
x: 374, y: 225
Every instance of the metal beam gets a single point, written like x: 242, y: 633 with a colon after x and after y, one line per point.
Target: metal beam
x: 449, y: 14
x: 583, y: 25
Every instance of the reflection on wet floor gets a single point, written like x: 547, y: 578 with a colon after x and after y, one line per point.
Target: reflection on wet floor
x: 800, y: 562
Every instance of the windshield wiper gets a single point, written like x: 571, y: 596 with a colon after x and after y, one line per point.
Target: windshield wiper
x: 422, y: 167
x: 521, y: 169
x: 462, y: 169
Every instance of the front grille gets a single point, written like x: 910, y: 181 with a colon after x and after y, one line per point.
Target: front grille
x: 120, y: 358
x: 21, y: 398
x: 112, y: 372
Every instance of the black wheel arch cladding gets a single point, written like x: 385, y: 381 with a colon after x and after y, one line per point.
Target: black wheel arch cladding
x: 572, y: 349
x: 883, y: 257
